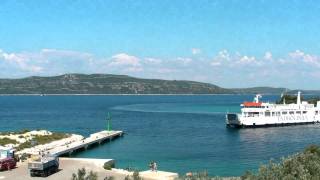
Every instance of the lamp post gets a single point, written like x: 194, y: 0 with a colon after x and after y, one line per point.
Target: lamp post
x: 108, y: 122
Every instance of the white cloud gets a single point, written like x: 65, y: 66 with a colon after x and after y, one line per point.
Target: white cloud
x: 215, y: 63
x: 195, y: 51
x: 247, y: 60
x: 306, y: 58
x: 133, y: 69
x: 165, y: 70
x: 155, y: 61
x: 268, y: 56
x: 223, y: 55
x: 183, y: 60
x: 20, y: 61
x: 124, y: 59
x: 45, y: 62
x: 296, y: 54
x: 65, y: 54
x: 11, y: 57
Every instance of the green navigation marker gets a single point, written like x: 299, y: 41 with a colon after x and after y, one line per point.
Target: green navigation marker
x: 108, y: 122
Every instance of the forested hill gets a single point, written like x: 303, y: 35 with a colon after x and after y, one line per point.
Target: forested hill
x: 104, y: 84
x: 120, y: 84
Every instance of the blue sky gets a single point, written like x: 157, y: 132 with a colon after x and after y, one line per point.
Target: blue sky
x: 236, y: 43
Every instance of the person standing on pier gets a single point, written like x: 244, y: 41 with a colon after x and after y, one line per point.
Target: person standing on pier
x: 155, y: 166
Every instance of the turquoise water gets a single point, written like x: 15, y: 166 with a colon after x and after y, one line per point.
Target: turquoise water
x: 181, y: 133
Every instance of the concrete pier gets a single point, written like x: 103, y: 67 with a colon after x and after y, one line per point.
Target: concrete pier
x: 71, y: 165
x: 96, y: 138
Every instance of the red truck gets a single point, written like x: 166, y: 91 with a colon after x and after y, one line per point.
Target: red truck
x: 7, y: 164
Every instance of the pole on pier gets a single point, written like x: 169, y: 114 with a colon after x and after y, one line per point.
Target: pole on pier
x: 108, y: 122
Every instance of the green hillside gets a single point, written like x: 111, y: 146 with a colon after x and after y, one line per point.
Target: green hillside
x: 122, y: 84
x: 104, y: 84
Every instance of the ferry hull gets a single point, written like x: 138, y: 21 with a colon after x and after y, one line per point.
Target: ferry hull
x: 238, y: 126
x: 236, y: 121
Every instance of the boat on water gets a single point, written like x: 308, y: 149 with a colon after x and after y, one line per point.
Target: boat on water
x: 263, y: 114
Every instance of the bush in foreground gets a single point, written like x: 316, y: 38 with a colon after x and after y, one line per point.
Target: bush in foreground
x: 37, y: 140
x: 304, y: 165
x: 82, y: 175
x: 5, y: 141
x: 108, y: 165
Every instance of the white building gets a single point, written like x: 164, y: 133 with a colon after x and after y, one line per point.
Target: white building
x: 6, y: 152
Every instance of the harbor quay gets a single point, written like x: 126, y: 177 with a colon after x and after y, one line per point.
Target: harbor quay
x: 96, y: 138
x: 71, y: 144
x: 66, y: 166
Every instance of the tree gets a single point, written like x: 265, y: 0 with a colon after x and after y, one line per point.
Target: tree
x: 109, y: 178
x: 81, y: 175
x: 304, y: 165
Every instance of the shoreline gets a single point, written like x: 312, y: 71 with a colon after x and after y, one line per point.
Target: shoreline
x: 130, y: 94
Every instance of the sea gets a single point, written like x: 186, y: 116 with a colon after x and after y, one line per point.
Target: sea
x: 182, y: 133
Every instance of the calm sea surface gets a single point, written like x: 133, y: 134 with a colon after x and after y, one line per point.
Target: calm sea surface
x: 181, y: 133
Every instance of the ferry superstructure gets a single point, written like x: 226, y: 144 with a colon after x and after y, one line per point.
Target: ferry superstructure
x: 260, y: 114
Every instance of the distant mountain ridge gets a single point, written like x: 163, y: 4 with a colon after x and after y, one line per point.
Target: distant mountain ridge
x: 272, y: 90
x: 117, y: 84
x: 260, y: 90
x: 104, y: 84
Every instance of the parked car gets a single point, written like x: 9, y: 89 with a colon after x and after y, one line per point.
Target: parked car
x: 7, y: 163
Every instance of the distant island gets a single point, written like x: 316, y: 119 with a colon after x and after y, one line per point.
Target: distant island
x: 121, y: 84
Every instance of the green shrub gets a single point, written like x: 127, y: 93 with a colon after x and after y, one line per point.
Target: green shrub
x: 36, y: 140
x: 23, y: 131
x: 82, y: 175
x: 24, y: 145
x: 49, y: 138
x: 201, y: 175
x: 136, y: 175
x: 108, y: 178
x: 304, y: 165
x: 4, y: 141
x: 108, y: 166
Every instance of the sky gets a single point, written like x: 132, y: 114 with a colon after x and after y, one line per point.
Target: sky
x: 234, y: 43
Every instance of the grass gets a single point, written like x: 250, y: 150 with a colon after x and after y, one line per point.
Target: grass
x: 37, y: 140
x: 5, y: 141
x: 24, y: 145
x: 303, y: 165
x: 14, y: 133
x: 49, y: 138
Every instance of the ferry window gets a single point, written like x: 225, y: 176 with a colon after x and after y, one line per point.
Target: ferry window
x: 252, y: 114
x: 298, y: 112
x: 278, y: 113
x: 267, y: 113
x: 304, y: 112
x: 284, y: 112
x: 316, y: 112
x: 273, y: 113
x: 291, y: 112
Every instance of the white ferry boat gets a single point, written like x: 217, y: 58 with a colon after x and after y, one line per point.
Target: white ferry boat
x: 260, y: 114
